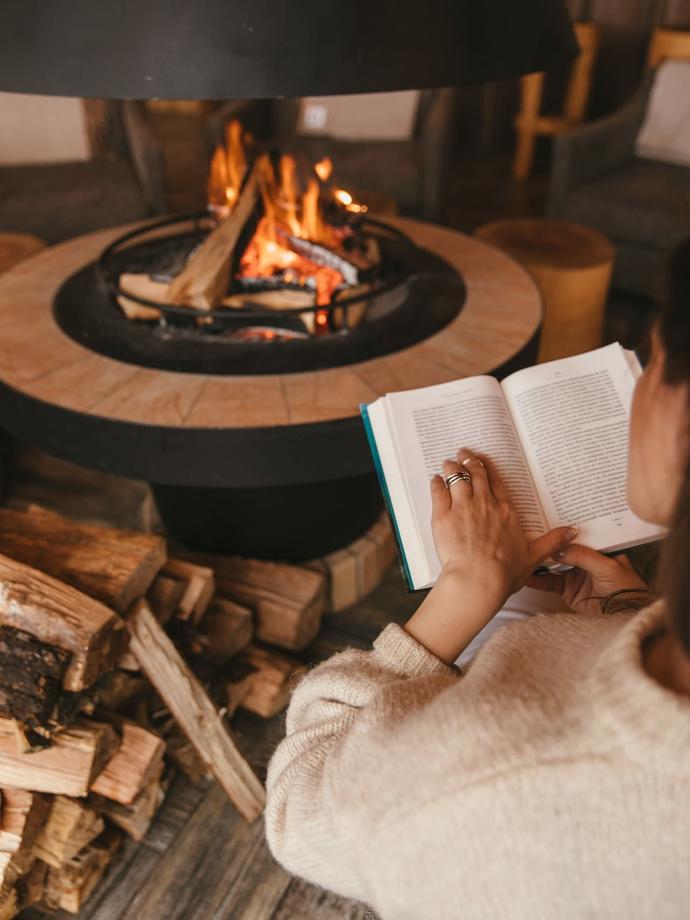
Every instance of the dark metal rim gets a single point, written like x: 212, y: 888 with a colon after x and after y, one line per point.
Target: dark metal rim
x: 110, y: 277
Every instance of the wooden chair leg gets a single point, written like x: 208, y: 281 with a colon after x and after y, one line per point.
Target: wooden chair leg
x: 524, y: 152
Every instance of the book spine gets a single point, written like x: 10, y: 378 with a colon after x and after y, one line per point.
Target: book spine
x: 404, y: 567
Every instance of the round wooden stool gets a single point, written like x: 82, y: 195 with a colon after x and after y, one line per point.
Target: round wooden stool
x: 17, y: 246
x: 572, y: 265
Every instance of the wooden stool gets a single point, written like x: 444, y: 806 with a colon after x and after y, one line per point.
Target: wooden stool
x: 572, y: 265
x: 17, y: 246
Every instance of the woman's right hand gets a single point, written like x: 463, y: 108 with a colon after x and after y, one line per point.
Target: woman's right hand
x: 593, y: 577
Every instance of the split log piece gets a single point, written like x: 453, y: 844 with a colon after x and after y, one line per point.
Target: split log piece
x: 71, y: 825
x: 134, y: 819
x: 164, y: 596
x: 23, y: 816
x: 194, y: 712
x: 276, y: 677
x: 199, y: 587
x: 227, y: 628
x: 59, y: 615
x: 74, y: 881
x: 76, y: 756
x: 206, y: 277
x: 31, y: 887
x: 132, y: 766
x: 121, y: 690
x: 13, y: 738
x: 8, y: 904
x: 239, y: 678
x: 288, y: 600
x: 114, y: 566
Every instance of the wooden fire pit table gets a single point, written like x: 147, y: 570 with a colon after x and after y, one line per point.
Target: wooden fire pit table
x: 272, y: 465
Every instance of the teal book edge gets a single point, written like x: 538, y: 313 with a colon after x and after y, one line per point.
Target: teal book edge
x: 364, y: 410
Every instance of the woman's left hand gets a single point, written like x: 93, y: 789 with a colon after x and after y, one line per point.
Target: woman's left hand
x: 478, y: 536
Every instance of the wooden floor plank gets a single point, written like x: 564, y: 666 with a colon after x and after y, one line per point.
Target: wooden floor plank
x: 304, y: 900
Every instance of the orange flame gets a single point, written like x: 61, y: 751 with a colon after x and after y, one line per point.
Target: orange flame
x: 287, y: 213
x: 228, y: 167
x: 324, y: 169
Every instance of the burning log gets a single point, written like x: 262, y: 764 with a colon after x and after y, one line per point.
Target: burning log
x: 205, y: 278
x: 279, y: 298
x: 141, y: 286
x: 351, y: 265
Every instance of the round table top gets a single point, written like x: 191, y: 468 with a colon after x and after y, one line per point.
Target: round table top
x: 501, y: 315
x: 548, y: 242
x: 17, y: 246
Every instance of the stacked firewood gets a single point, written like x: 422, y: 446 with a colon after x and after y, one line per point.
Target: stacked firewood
x: 119, y: 664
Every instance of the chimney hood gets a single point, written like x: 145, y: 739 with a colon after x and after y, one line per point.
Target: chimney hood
x: 210, y: 49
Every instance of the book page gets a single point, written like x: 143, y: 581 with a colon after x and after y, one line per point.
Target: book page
x: 430, y: 425
x: 573, y: 418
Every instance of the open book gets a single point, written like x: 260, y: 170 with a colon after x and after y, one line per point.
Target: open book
x: 557, y: 432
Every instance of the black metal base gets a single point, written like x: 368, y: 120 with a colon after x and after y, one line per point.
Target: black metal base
x: 290, y: 523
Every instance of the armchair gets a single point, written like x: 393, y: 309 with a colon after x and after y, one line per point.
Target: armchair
x: 642, y: 205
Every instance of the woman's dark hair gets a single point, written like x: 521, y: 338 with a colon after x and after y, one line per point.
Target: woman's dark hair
x: 673, y: 327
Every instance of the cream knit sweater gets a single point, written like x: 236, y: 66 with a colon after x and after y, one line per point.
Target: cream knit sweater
x: 551, y: 780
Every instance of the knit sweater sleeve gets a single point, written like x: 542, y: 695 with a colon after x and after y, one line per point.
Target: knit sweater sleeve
x: 316, y: 811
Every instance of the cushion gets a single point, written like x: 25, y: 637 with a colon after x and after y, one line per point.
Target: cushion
x: 65, y: 199
x: 665, y: 131
x: 641, y: 202
x: 389, y: 167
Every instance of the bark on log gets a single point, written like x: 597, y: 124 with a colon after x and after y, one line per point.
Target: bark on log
x: 59, y: 615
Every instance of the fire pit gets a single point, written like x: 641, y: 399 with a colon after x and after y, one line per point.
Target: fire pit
x: 292, y: 265
x: 266, y: 464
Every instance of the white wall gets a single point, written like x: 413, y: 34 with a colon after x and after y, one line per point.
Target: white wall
x: 42, y: 129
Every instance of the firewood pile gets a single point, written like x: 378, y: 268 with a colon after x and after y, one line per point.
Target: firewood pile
x: 118, y: 665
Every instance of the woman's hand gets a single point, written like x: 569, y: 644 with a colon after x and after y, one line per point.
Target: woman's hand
x: 594, y: 577
x: 477, y: 533
x: 484, y: 554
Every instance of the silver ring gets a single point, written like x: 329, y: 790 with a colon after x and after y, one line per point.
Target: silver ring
x: 462, y: 476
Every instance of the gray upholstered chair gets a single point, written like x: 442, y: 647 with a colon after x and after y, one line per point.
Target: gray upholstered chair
x: 124, y: 182
x: 642, y: 205
x: 414, y: 172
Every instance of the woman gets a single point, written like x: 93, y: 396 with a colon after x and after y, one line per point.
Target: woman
x: 552, y: 779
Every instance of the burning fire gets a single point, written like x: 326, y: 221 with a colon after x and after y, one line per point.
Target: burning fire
x: 290, y: 215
